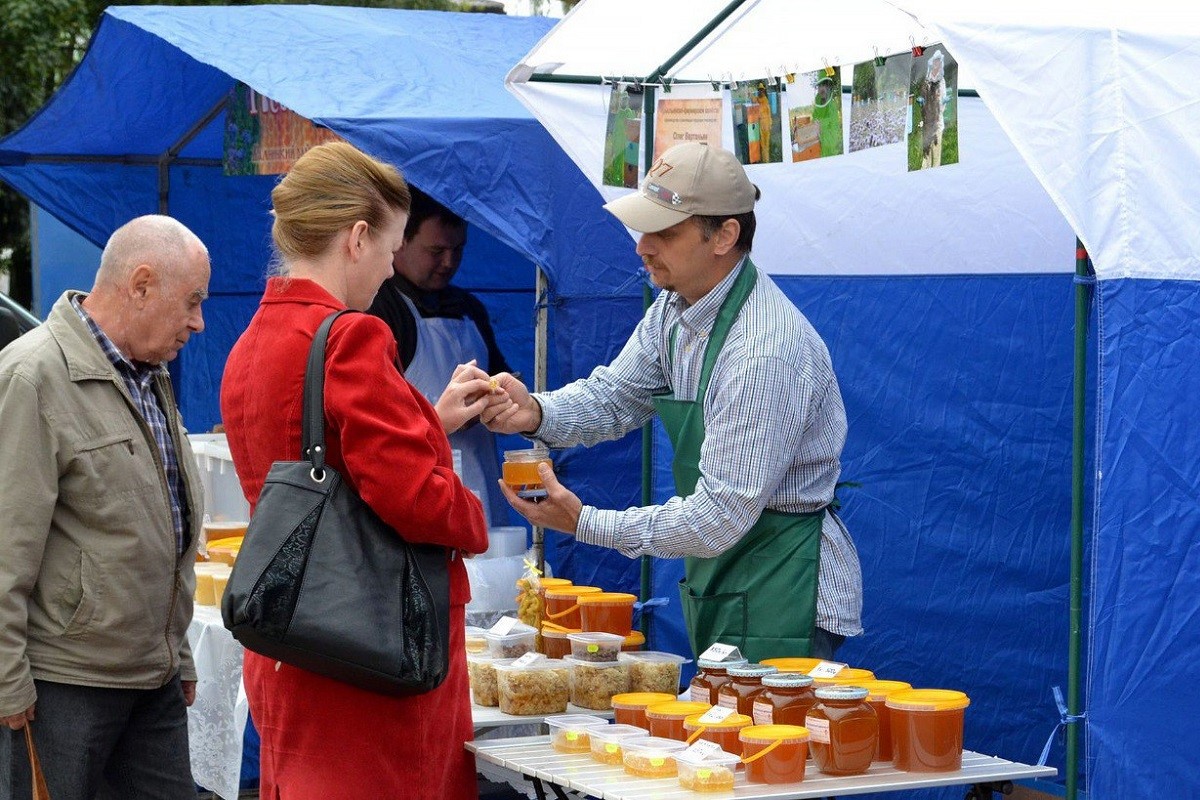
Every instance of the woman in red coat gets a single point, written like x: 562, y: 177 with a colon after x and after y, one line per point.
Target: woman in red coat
x: 339, y: 218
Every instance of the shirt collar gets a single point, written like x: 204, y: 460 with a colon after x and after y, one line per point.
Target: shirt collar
x: 113, y: 353
x: 701, y: 315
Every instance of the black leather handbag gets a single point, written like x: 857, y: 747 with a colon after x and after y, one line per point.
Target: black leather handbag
x: 322, y: 583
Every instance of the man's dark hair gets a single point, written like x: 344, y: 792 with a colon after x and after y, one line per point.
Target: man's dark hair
x: 425, y: 207
x: 709, y: 225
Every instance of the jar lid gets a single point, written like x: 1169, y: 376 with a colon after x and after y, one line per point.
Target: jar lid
x: 841, y: 692
x: 732, y: 722
x: 534, y: 666
x: 677, y: 708
x: 852, y: 676
x: 641, y: 699
x: 580, y: 663
x: 634, y: 639
x: 752, y: 670
x: 787, y: 680
x: 564, y: 592
x: 611, y: 733
x: 552, y: 631
x: 927, y: 700
x: 530, y: 454
x: 545, y: 583
x: 765, y: 734
x: 652, y: 656
x: 708, y: 663
x: 608, y: 598
x: 801, y: 665
x: 878, y: 690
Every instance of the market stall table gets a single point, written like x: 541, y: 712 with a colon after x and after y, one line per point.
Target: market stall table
x: 533, y: 757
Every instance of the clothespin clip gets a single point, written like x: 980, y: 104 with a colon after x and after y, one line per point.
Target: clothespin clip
x: 879, y: 60
x: 732, y: 83
x: 788, y: 74
x: 666, y: 85
x: 917, y: 50
x: 716, y: 82
x: 829, y: 71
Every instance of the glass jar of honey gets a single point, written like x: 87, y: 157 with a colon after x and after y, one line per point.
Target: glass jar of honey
x: 520, y: 471
x: 745, y: 683
x: 844, y: 730
x: 710, y: 676
x: 785, y: 699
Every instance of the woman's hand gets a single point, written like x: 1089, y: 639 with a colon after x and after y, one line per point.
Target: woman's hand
x: 469, y: 393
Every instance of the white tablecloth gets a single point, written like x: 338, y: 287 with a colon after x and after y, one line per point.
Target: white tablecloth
x: 217, y: 719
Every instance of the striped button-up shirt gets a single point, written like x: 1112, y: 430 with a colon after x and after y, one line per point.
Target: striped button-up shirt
x: 139, y: 380
x: 774, y: 429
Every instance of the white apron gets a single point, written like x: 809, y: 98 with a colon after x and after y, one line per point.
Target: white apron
x: 443, y: 344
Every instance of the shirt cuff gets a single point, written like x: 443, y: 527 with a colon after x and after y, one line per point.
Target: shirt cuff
x: 598, y: 527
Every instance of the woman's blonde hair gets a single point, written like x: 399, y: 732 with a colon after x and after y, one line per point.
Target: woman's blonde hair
x: 327, y: 190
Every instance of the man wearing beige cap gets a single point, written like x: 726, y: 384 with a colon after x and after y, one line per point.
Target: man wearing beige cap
x: 747, y: 394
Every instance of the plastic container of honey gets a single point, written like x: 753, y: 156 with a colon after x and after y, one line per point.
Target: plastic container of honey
x: 774, y: 753
x: 927, y: 729
x: 849, y: 676
x: 569, y: 733
x: 877, y: 692
x: 745, y: 683
x: 635, y: 641
x: 666, y: 720
x: 520, y: 471
x: 715, y: 772
x: 607, y: 612
x: 653, y: 671
x: 562, y: 605
x: 652, y: 757
x: 630, y: 709
x: 785, y: 699
x: 555, y: 643
x: 475, y: 643
x: 709, y: 678
x: 607, y: 743
x: 206, y: 575
x: 844, y: 730
x: 723, y: 733
x: 800, y: 665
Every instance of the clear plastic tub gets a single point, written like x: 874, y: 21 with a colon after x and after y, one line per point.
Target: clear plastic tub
x: 542, y: 687
x: 653, y: 671
x: 593, y: 683
x: 653, y: 757
x: 607, y: 744
x: 715, y: 772
x: 481, y: 672
x: 570, y: 733
x: 520, y: 640
x: 589, y: 646
x: 476, y: 642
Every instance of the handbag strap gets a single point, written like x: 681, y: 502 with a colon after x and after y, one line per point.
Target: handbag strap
x: 312, y: 444
x: 38, y: 778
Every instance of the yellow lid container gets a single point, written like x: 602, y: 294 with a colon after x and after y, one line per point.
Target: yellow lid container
x: 731, y: 723
x: 768, y: 734
x: 545, y: 583
x: 878, y: 690
x: 800, y: 665
x: 641, y: 699
x: 570, y: 592
x: 608, y: 599
x: 680, y: 709
x: 634, y: 641
x: 927, y: 700
x: 849, y: 676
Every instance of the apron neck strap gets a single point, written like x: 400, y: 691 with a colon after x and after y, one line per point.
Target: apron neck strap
x: 742, y: 286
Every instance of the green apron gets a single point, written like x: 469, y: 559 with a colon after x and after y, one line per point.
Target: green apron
x: 760, y: 595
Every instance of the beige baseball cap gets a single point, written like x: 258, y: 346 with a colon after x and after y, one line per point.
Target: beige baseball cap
x: 689, y: 179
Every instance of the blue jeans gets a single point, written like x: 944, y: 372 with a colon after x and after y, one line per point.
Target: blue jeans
x: 93, y: 743
x: 825, y: 644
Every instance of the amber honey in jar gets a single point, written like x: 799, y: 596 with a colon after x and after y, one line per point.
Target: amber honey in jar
x: 666, y: 719
x: 607, y: 612
x: 520, y: 471
x: 844, y: 730
x: 709, y: 678
x: 785, y: 699
x: 630, y: 708
x: 927, y: 729
x: 724, y: 733
x: 774, y: 753
x: 877, y: 693
x: 745, y: 683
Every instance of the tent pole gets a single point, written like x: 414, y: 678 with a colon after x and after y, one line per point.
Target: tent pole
x: 647, y: 429
x: 540, y: 361
x: 1075, y: 646
x: 700, y: 36
x: 166, y: 159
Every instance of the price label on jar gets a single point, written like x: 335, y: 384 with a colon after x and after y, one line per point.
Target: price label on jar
x: 504, y: 626
x: 721, y: 652
x: 701, y: 750
x: 716, y: 714
x: 527, y: 659
x: 826, y: 669
x: 818, y: 729
x: 764, y: 713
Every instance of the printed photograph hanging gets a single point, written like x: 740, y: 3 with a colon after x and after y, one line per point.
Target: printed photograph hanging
x: 686, y: 119
x: 879, y: 101
x: 815, y: 114
x: 622, y: 138
x: 933, y: 127
x: 757, y: 123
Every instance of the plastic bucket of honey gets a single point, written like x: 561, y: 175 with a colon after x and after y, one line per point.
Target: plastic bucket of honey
x: 633, y: 642
x: 877, y: 693
x: 630, y: 708
x: 927, y: 729
x: 562, y: 604
x: 666, y: 720
x: 607, y: 612
x: 723, y: 733
x: 774, y: 753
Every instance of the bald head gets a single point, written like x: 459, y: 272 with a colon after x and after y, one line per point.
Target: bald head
x: 152, y: 279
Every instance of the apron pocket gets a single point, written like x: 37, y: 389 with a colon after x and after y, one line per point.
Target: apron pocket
x: 714, y: 618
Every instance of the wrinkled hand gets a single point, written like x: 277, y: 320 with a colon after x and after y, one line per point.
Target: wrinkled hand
x: 469, y: 393
x: 189, y: 692
x: 17, y: 721
x: 559, y: 510
x: 521, y: 414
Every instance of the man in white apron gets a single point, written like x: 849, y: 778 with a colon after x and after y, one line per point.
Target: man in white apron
x: 438, y: 326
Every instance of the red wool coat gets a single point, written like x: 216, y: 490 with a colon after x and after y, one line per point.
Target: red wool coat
x: 321, y: 738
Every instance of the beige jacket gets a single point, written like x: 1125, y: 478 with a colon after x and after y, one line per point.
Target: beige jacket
x: 91, y: 589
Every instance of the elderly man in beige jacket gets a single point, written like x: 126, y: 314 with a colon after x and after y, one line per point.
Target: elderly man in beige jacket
x: 100, y: 507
